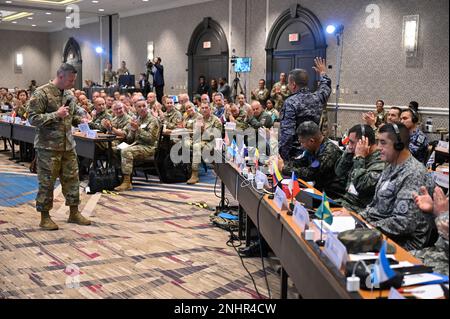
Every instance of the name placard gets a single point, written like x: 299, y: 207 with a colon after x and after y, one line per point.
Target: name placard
x: 301, y: 216
x: 280, y: 199
x: 335, y: 250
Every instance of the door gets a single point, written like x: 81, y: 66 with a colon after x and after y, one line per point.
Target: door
x: 72, y: 55
x: 207, y: 54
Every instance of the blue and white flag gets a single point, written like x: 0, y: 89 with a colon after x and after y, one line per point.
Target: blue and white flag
x: 382, y: 270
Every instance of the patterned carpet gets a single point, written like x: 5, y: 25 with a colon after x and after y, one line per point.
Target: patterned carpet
x: 148, y: 243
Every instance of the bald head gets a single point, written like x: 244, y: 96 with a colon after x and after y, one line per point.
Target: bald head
x: 256, y: 108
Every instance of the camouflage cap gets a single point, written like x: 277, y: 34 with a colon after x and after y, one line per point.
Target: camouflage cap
x: 361, y: 240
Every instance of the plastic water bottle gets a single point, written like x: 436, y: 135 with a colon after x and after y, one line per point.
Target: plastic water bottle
x: 429, y: 125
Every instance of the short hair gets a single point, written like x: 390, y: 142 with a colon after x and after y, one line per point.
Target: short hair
x: 262, y: 80
x: 415, y: 118
x: 66, y: 68
x: 398, y: 109
x: 22, y: 91
x: 300, y: 77
x: 382, y: 102
x: 308, y: 129
x: 202, y: 77
x: 198, y: 97
x: 403, y: 136
x: 368, y: 132
x: 414, y: 105
x: 218, y: 94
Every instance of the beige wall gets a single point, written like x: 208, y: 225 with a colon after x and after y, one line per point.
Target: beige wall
x: 88, y: 37
x: 35, y: 49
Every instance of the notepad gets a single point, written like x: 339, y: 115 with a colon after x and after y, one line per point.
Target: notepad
x: 417, y: 279
x: 123, y: 146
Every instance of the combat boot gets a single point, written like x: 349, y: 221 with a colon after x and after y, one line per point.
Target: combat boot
x: 76, y: 217
x: 194, y: 178
x: 126, y: 184
x: 47, y: 223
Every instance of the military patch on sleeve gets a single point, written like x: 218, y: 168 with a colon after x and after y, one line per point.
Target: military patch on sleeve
x: 402, y: 207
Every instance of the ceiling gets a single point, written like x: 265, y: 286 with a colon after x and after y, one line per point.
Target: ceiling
x: 51, y: 15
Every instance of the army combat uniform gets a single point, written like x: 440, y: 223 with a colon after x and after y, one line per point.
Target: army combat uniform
x: 393, y: 210
x: 189, y: 121
x: 143, y: 143
x: 96, y: 123
x: 301, y: 107
x: 418, y: 145
x: 319, y: 168
x: 362, y: 175
x: 55, y: 146
x: 261, y: 95
x: 279, y: 98
x: 263, y: 120
x: 172, y: 118
x: 206, y: 142
x: 108, y: 77
x: 437, y: 256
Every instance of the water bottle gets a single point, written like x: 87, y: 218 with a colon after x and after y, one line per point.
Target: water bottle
x: 429, y: 125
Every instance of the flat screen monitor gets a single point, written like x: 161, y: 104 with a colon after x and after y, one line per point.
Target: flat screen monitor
x: 127, y: 80
x: 243, y: 65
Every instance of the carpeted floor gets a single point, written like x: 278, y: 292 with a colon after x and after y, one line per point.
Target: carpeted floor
x: 148, y: 243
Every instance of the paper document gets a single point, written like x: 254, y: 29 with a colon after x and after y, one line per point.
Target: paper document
x: 367, y: 256
x: 417, y: 279
x: 340, y: 224
x: 123, y: 146
x: 426, y: 292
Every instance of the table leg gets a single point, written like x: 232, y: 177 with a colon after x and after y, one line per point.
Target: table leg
x: 284, y: 283
x: 242, y: 215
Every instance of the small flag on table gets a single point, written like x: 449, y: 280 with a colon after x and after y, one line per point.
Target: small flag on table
x: 294, y: 187
x: 277, y: 177
x: 324, y: 211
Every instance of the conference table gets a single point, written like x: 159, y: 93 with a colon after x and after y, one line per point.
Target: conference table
x: 5, y: 133
x: 89, y: 148
x: 312, y: 273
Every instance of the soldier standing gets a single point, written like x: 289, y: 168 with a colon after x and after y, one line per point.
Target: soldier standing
x: 261, y: 94
x: 302, y: 105
x: 280, y: 92
x: 55, y: 146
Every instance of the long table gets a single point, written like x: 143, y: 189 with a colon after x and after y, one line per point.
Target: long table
x: 5, y: 132
x: 312, y: 273
x: 85, y: 147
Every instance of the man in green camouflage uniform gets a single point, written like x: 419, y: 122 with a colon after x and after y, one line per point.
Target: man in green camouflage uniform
x: 317, y: 162
x: 392, y: 209
x: 261, y: 94
x: 142, y: 134
x: 238, y: 116
x: 55, y: 145
x: 361, y: 166
x: 191, y: 117
x: 109, y: 75
x: 172, y: 117
x: 99, y: 115
x: 211, y: 128
x: 437, y: 255
x: 280, y: 92
x: 258, y: 117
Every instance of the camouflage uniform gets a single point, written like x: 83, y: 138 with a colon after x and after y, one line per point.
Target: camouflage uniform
x: 241, y: 121
x: 418, y: 145
x: 172, y: 118
x: 262, y: 96
x: 55, y: 146
x: 380, y: 118
x: 301, y: 107
x: 22, y: 111
x: 393, y: 210
x: 263, y: 120
x: 96, y: 123
x: 143, y: 143
x: 274, y: 114
x: 108, y: 76
x: 121, y: 122
x: 122, y: 71
x: 189, y: 121
x: 437, y: 256
x: 207, y: 138
x: 324, y: 175
x: 280, y: 97
x: 362, y: 176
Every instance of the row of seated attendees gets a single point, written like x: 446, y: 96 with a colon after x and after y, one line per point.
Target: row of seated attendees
x: 378, y: 175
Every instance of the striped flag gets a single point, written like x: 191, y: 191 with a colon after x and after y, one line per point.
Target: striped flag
x: 382, y: 271
x: 277, y: 177
x: 324, y: 210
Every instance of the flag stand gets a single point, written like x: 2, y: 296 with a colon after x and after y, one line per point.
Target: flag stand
x: 291, y: 205
x: 321, y: 242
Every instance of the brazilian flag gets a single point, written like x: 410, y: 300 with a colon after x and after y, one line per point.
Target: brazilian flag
x: 324, y: 211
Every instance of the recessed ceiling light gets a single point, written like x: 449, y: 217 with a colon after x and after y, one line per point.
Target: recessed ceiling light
x: 33, y: 25
x: 94, y: 1
x: 101, y: 10
x: 15, y: 22
x: 8, y: 1
x: 30, y: 18
x: 50, y: 21
x: 48, y: 13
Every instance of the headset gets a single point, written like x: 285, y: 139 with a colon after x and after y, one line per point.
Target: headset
x: 415, y: 115
x: 398, y: 145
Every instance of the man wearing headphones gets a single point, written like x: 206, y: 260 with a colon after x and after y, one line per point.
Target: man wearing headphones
x: 361, y: 166
x: 418, y: 141
x: 392, y: 209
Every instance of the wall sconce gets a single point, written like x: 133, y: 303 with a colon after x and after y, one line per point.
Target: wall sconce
x: 18, y: 63
x: 150, y: 51
x: 411, y: 35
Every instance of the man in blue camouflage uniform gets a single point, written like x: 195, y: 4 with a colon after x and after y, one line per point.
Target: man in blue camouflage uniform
x: 393, y: 210
x: 418, y: 142
x: 55, y: 145
x: 302, y: 106
x: 317, y: 162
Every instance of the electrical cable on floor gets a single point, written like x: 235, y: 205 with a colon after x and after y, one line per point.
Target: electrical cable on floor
x: 260, y: 246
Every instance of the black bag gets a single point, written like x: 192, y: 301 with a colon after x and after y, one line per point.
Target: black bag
x: 173, y: 173
x: 103, y: 179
